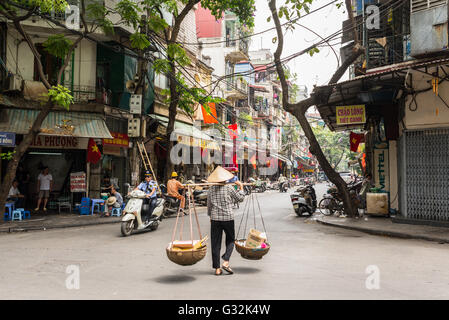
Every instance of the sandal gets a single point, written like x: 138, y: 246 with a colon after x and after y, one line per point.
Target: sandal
x: 227, y: 269
x: 218, y: 272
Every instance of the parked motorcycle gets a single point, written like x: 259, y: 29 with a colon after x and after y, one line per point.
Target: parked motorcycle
x: 171, y: 204
x: 138, y: 216
x: 200, y: 197
x: 304, y: 200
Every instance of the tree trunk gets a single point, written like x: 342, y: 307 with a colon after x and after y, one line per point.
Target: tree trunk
x: 299, y: 109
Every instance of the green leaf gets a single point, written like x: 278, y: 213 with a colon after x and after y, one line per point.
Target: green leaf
x: 61, y: 96
x: 139, y: 41
x: 129, y: 12
x: 57, y: 45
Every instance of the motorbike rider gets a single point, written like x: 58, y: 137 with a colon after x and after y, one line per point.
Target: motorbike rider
x: 149, y: 186
x: 173, y: 187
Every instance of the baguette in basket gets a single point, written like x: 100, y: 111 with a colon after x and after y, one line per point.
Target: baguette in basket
x: 179, y: 245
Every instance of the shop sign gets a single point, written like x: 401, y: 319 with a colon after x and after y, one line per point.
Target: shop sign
x: 59, y: 142
x: 7, y: 139
x: 78, y: 182
x: 381, y: 169
x: 111, y: 150
x: 350, y: 114
x: 119, y: 140
x: 194, y: 142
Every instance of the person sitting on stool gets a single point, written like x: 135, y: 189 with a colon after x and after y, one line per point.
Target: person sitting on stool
x: 114, y: 201
x: 14, y: 195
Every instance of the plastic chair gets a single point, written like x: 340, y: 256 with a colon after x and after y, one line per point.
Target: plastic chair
x: 64, y: 204
x: 7, y: 216
x: 84, y: 207
x: 16, y: 215
x: 116, y: 212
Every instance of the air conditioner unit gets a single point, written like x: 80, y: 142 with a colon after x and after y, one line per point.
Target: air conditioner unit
x: 14, y: 83
x: 428, y: 27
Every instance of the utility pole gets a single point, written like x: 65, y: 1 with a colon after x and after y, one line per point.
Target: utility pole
x: 139, y: 91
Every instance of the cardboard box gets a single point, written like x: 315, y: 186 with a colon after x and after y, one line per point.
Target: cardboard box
x: 254, y: 239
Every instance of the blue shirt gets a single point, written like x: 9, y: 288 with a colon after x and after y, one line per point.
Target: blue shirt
x: 119, y: 198
x: 148, y: 188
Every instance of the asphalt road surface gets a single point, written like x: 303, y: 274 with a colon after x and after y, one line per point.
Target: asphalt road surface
x: 306, y: 261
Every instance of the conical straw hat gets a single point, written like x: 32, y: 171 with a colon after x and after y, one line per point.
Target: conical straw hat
x: 220, y: 175
x: 111, y: 201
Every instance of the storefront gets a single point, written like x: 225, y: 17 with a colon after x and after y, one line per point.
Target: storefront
x: 62, y: 147
x: 115, y: 167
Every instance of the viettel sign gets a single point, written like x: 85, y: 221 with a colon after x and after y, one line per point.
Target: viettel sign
x: 350, y: 114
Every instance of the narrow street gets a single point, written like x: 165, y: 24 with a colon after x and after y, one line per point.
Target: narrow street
x: 306, y: 261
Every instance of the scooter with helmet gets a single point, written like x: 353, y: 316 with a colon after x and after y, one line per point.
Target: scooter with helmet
x: 138, y: 215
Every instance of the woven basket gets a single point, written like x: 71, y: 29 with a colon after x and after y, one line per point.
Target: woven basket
x: 186, y: 257
x: 251, y: 253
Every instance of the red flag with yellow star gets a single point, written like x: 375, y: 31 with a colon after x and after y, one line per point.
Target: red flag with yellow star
x: 355, y: 140
x: 93, y: 153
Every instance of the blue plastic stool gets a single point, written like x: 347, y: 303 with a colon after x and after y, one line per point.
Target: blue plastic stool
x: 11, y: 207
x: 26, y: 214
x: 7, y: 216
x: 16, y: 215
x: 116, y: 212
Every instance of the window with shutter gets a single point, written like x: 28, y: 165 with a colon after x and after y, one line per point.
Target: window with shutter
x: 419, y: 5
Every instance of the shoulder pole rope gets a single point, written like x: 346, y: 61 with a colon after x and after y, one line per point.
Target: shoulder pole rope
x: 261, y: 217
x: 196, y: 216
x: 176, y: 224
x: 243, y: 215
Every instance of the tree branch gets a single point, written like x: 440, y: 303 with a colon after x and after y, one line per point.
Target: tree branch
x: 180, y: 18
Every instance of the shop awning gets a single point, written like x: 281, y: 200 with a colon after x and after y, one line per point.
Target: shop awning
x: 189, y: 134
x: 282, y: 158
x: 58, y: 123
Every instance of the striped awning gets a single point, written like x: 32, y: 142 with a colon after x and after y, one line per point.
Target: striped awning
x: 59, y: 123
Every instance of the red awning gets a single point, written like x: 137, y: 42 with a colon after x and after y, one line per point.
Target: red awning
x: 258, y: 88
x: 260, y: 68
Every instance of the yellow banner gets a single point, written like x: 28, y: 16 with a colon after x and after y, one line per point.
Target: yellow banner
x: 350, y: 114
x: 194, y: 142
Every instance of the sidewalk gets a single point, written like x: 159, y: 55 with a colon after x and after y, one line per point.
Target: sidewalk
x: 53, y: 219
x: 384, y: 226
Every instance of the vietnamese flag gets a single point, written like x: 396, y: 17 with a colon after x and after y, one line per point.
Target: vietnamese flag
x: 233, y: 131
x: 209, y: 115
x: 93, y: 153
x: 355, y: 140
x: 253, y: 161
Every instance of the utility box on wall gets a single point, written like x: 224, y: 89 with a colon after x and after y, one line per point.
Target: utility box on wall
x: 134, y: 127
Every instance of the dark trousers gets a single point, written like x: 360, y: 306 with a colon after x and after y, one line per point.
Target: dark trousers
x: 216, y: 233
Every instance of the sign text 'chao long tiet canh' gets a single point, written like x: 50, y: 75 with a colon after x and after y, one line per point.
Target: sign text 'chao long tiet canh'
x: 350, y: 114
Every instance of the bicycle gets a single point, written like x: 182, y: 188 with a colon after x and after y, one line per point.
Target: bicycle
x: 329, y: 205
